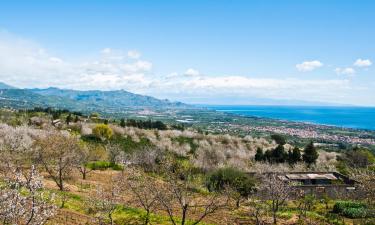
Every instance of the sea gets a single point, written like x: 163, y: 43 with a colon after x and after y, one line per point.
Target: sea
x: 341, y: 116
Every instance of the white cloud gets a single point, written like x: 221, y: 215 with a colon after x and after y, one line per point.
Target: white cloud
x: 26, y: 64
x: 191, y: 72
x: 362, y: 63
x: 56, y: 60
x: 133, y: 54
x: 308, y: 66
x: 106, y: 51
x: 345, y: 71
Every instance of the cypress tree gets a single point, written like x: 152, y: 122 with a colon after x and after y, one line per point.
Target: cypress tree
x: 259, y: 156
x: 122, y: 123
x: 310, y: 154
x: 294, y: 156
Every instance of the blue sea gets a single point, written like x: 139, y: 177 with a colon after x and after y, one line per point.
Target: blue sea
x: 349, y: 117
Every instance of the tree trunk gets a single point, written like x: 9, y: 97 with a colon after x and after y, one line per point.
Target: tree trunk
x: 184, y: 211
x: 60, y: 184
x: 147, y: 219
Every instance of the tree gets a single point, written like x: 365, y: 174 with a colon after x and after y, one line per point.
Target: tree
x: 310, y: 154
x: 104, y: 201
x: 259, y: 155
x: 76, y: 119
x: 240, y: 182
x: 178, y: 192
x: 69, y: 119
x: 122, y: 122
x: 84, y: 156
x: 279, y: 139
x: 58, y: 154
x: 294, y: 156
x: 144, y: 189
x: 276, y: 191
x: 278, y: 155
x: 358, y: 158
x: 365, y: 186
x: 102, y: 131
x: 32, y: 206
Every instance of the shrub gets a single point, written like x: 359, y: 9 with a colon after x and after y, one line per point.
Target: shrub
x: 351, y: 209
x: 355, y: 213
x: 341, y: 205
x: 236, y: 179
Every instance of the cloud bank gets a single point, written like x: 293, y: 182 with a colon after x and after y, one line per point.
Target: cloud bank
x: 26, y: 64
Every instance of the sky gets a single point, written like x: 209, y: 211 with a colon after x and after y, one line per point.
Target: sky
x: 195, y: 51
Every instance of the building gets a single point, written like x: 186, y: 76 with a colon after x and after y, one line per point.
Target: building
x: 319, y: 183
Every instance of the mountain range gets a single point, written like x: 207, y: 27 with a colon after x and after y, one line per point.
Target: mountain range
x: 84, y: 101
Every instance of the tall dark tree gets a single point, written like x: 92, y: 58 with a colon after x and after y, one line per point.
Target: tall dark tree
x: 279, y: 139
x: 279, y: 155
x: 69, y: 119
x: 259, y: 155
x: 310, y: 154
x: 294, y: 155
x: 122, y: 122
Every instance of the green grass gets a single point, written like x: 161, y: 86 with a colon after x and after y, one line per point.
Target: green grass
x: 103, y: 165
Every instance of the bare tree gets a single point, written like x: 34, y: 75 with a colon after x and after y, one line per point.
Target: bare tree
x: 275, y: 190
x: 365, y: 185
x: 179, y: 193
x: 58, y: 154
x: 258, y: 209
x: 30, y: 208
x: 84, y: 156
x: 144, y: 189
x: 104, y: 201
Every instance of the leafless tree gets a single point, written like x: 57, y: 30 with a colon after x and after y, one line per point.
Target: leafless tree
x: 144, y: 188
x: 258, y: 210
x: 58, y: 154
x: 30, y: 208
x: 104, y: 201
x: 365, y: 185
x: 179, y: 193
x: 84, y: 156
x: 275, y: 190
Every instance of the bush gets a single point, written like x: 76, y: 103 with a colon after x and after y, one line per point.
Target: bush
x: 236, y: 179
x: 351, y: 209
x: 355, y: 213
x: 341, y: 205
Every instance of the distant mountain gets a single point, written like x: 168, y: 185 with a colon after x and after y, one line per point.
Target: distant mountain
x: 109, y: 99
x: 22, y: 98
x: 83, y: 101
x: 5, y: 86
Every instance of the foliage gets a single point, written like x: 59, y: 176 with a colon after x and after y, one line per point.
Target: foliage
x: 102, y: 131
x: 310, y: 154
x: 279, y: 139
x: 351, y: 209
x: 103, y: 165
x: 148, y: 124
x: 233, y: 178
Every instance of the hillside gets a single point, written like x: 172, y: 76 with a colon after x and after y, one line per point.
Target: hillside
x: 110, y: 99
x: 84, y: 101
x: 5, y: 86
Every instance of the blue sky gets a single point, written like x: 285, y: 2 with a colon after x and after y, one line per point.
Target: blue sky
x: 218, y: 52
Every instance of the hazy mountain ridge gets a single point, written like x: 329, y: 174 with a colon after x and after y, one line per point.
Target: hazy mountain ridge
x: 94, y: 100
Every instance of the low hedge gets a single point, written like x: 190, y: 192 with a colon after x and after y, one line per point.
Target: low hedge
x: 351, y: 209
